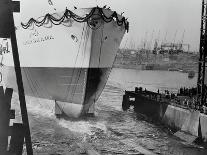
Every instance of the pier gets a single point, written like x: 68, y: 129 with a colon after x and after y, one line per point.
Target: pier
x: 178, y: 111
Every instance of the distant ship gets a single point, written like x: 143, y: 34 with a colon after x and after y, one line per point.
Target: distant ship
x: 191, y: 74
x: 67, y: 57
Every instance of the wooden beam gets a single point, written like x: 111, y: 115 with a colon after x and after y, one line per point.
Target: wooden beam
x: 15, y: 6
x: 7, y: 30
x: 17, y: 139
x: 5, y: 104
x: 6, y: 9
x: 20, y: 88
x: 5, y: 19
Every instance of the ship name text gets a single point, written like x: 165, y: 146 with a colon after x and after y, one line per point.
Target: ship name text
x: 38, y: 39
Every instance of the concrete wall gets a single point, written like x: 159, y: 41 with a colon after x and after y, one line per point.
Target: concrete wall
x: 191, y: 123
x: 175, y: 117
x: 203, y: 123
x: 186, y: 120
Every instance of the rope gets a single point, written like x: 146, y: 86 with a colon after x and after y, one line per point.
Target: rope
x: 69, y: 14
x: 71, y: 81
x: 83, y: 38
x: 86, y: 36
x: 100, y: 53
x: 32, y: 86
x: 30, y: 82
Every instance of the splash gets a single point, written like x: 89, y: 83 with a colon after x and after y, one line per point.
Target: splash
x: 83, y: 127
x: 40, y: 107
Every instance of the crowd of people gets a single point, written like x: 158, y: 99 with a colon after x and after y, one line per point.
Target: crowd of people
x: 187, y: 92
x: 185, y: 97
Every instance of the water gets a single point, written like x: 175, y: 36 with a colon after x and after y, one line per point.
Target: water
x: 112, y: 131
x: 128, y: 78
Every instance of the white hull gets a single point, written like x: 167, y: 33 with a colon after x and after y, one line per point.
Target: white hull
x: 69, y: 63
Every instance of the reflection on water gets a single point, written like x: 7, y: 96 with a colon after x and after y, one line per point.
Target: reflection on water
x: 112, y: 131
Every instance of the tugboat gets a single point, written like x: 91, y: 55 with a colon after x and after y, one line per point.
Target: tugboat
x: 66, y: 56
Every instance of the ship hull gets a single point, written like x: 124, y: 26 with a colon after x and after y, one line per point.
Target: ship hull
x: 68, y: 63
x: 74, y: 90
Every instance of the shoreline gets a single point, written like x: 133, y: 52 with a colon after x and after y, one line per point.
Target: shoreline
x: 183, y: 62
x: 157, y: 68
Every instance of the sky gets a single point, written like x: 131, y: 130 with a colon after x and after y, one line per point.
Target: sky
x: 164, y: 20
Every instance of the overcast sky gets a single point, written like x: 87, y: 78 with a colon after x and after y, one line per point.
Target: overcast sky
x: 161, y: 16
x: 149, y: 19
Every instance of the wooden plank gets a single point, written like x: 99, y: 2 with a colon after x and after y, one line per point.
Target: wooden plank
x: 17, y: 139
x: 8, y: 96
x: 3, y: 122
x: 5, y: 104
x: 5, y: 18
x: 20, y: 88
x: 15, y: 6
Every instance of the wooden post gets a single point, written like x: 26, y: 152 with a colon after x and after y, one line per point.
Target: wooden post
x: 17, y: 131
x: 5, y: 104
x: 17, y: 138
x: 5, y: 18
x: 20, y: 88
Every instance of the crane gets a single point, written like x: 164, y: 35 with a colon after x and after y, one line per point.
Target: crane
x: 201, y: 85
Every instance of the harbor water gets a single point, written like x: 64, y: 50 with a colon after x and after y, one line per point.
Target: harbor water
x: 111, y: 131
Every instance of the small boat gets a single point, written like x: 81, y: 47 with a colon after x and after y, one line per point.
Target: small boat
x: 173, y: 69
x: 191, y: 74
x: 66, y: 56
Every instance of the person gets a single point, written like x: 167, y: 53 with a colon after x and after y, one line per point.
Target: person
x: 181, y: 91
x: 172, y: 95
x: 193, y: 103
x: 185, y: 102
x: 136, y: 89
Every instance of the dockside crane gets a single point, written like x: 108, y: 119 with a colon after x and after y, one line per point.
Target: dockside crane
x: 181, y: 42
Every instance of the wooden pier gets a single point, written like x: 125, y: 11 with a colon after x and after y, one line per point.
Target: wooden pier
x: 14, y: 144
x: 17, y: 132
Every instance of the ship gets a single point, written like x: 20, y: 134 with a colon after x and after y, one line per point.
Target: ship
x: 66, y: 56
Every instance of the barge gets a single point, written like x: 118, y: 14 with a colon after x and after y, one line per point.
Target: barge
x: 177, y: 111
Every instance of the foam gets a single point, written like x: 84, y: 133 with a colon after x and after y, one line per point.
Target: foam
x: 83, y: 127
